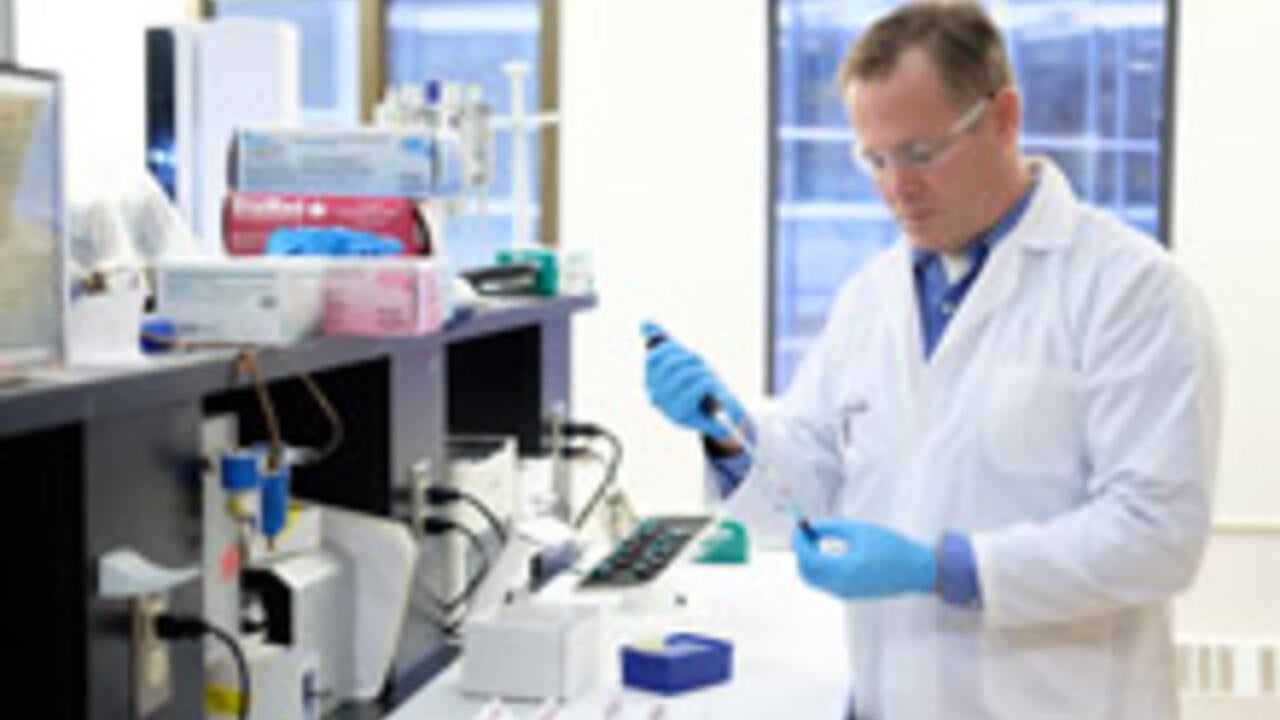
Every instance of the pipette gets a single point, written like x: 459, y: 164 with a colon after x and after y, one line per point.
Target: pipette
x: 716, y: 412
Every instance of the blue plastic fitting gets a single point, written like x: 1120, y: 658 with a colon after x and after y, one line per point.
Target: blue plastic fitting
x: 240, y: 471
x: 275, y: 501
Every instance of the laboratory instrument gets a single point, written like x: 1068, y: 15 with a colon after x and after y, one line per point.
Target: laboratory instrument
x: 521, y: 235
x: 649, y: 550
x: 204, y: 80
x: 710, y: 407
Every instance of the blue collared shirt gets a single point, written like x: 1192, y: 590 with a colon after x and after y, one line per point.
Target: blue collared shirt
x: 938, y: 296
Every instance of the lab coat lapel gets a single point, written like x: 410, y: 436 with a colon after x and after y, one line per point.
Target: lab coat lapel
x: 993, y: 289
x: 1045, y: 227
x: 901, y: 291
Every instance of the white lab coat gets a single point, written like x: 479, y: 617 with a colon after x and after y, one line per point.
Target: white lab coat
x: 1067, y: 421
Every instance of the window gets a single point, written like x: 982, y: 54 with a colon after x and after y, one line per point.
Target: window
x: 469, y: 41
x: 1093, y: 75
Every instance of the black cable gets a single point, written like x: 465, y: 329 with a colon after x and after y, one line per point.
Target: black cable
x: 443, y: 495
x: 611, y: 473
x: 439, y: 526
x: 173, y: 627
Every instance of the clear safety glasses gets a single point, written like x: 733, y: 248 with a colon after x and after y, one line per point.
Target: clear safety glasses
x: 917, y: 155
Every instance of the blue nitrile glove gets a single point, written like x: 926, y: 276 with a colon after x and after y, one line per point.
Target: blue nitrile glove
x: 331, y: 241
x: 875, y: 562
x: 677, y: 380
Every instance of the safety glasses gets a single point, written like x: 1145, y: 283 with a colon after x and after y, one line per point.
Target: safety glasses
x: 917, y: 155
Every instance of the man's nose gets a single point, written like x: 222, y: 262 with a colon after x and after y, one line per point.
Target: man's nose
x: 897, y: 181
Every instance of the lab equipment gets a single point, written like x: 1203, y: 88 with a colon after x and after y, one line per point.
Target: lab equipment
x: 478, y: 490
x: 679, y: 663
x: 786, y: 502
x: 204, y: 80
x: 275, y: 501
x: 521, y: 235
x: 251, y: 218
x: 577, y: 271
x: 678, y: 380
x: 545, y: 259
x: 477, y: 142
x: 726, y: 544
x: 649, y: 550
x: 681, y: 385
x: 510, y: 279
x: 309, y: 603
x: 385, y: 297
x: 532, y: 651
x: 33, y: 250
x: 103, y: 317
x: 262, y: 300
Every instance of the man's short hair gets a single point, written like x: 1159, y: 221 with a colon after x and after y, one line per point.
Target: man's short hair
x: 965, y: 45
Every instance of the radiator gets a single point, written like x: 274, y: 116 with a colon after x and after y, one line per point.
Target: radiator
x: 1236, y: 667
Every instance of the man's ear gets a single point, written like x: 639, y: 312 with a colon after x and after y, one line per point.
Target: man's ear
x: 1006, y: 111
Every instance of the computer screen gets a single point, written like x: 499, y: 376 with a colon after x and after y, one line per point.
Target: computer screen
x: 32, y: 242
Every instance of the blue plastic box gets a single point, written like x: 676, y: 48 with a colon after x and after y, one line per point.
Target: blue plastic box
x: 685, y: 662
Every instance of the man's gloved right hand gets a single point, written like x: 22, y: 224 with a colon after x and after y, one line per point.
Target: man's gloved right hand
x: 677, y: 379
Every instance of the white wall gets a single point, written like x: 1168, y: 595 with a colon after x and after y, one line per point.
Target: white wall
x: 99, y: 48
x: 1225, y: 227
x: 1227, y: 236
x: 664, y: 146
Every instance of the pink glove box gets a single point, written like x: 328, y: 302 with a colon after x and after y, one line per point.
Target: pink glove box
x: 385, y: 297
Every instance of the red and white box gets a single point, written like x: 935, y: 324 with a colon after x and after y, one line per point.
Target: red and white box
x: 385, y: 297
x: 248, y: 219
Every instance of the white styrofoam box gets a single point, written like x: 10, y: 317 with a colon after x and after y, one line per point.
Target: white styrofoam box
x: 532, y: 651
x: 259, y: 300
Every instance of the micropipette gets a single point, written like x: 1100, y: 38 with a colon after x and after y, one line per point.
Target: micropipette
x: 716, y: 412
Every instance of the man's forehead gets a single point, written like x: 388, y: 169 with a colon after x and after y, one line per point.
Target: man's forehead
x: 913, y: 78
x: 910, y: 96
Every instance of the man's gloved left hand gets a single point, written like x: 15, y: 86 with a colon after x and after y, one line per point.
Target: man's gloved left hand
x: 873, y: 562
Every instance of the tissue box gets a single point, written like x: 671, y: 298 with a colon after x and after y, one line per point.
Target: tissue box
x: 684, y: 662
x: 532, y: 651
x: 262, y: 300
x: 385, y: 297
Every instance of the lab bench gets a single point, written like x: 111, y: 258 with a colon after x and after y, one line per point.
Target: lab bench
x: 92, y: 461
x: 789, y: 648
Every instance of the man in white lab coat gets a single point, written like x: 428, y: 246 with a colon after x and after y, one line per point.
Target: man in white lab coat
x: 1009, y: 423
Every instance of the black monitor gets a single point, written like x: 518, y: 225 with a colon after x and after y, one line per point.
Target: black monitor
x: 32, y: 221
